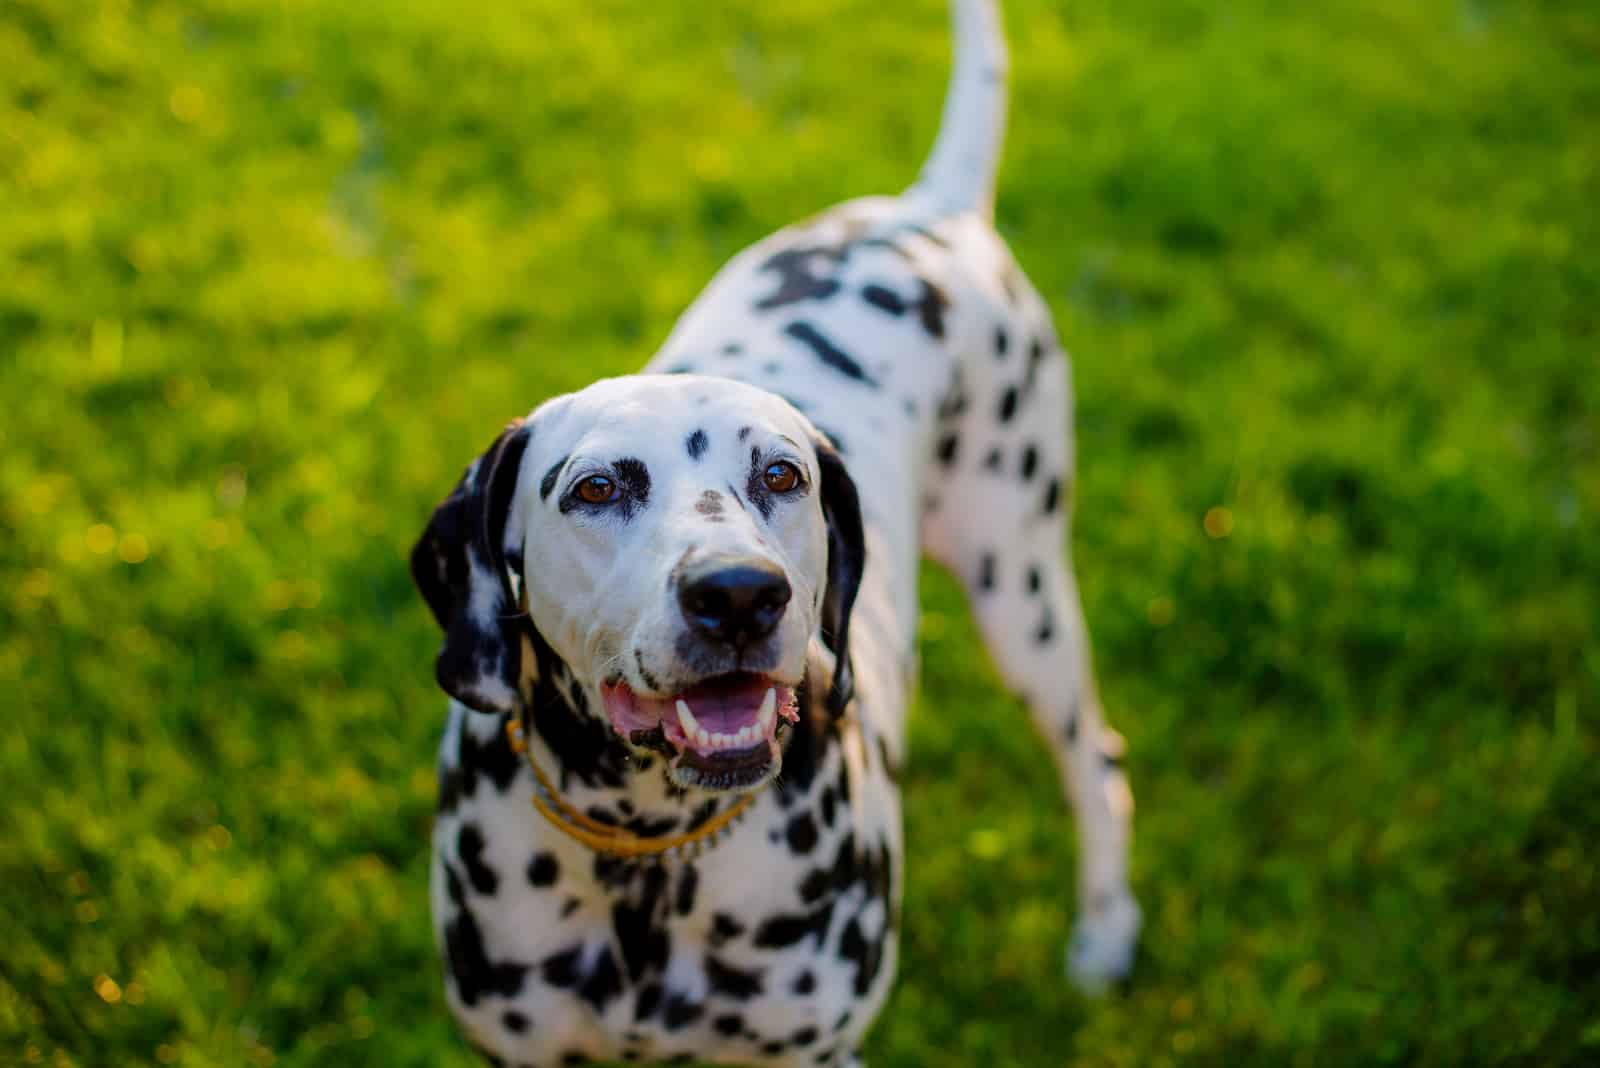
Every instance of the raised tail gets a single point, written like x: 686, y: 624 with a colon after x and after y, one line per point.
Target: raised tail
x: 959, y: 174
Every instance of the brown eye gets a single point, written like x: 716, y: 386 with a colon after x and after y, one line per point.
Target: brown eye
x: 597, y: 489
x: 781, y: 477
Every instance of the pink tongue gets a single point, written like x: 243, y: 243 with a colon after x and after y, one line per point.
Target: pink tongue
x: 726, y: 714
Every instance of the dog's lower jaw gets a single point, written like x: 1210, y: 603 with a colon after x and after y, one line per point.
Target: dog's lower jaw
x: 742, y: 772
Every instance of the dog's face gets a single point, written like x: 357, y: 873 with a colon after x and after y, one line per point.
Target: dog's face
x: 677, y: 541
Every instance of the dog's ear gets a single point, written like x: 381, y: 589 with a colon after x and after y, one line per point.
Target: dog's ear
x: 847, y: 553
x: 463, y: 565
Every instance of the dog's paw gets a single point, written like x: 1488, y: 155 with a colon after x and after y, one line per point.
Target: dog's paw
x: 1103, y: 944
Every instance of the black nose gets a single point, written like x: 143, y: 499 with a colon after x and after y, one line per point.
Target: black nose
x: 733, y: 600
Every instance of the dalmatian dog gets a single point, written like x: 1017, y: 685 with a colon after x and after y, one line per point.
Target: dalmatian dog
x: 680, y: 607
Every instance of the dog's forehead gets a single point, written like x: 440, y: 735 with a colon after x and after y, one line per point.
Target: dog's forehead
x: 654, y: 412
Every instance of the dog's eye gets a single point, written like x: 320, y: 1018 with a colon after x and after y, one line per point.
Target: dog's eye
x: 598, y: 489
x: 781, y: 477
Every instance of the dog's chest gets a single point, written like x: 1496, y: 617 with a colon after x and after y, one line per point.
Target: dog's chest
x: 778, y: 942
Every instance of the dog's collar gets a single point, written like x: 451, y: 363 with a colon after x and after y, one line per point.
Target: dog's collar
x: 619, y: 841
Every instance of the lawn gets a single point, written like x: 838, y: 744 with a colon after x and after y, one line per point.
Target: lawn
x: 272, y: 273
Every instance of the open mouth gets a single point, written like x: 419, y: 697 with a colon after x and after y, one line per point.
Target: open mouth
x: 722, y: 732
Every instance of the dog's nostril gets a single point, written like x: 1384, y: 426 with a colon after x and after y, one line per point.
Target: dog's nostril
x: 734, y: 601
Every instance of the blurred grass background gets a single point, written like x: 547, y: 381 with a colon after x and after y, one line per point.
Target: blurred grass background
x: 271, y: 273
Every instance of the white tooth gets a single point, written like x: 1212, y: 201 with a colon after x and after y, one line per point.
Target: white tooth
x: 719, y: 739
x: 686, y: 718
x: 746, y: 733
x: 702, y: 736
x: 768, y: 715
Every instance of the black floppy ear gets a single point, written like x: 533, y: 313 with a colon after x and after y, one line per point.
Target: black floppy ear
x: 460, y: 564
x: 847, y: 553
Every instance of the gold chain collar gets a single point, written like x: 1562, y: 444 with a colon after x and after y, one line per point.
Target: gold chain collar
x: 612, y: 840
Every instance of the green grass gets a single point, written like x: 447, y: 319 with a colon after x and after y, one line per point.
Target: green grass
x: 270, y: 274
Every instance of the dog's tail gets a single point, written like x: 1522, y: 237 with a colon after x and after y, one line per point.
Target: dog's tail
x: 959, y: 174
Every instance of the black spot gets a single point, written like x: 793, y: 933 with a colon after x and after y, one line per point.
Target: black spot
x: 561, y: 969
x: 784, y: 930
x: 828, y: 353
x: 1046, y: 631
x: 639, y: 926
x: 884, y: 299
x: 1030, y: 462
x: 1001, y: 342
x: 732, y: 348
x: 1052, y: 496
x: 805, y: 983
x: 548, y: 483
x: 602, y: 815
x: 648, y: 827
x: 572, y: 1058
x: 946, y: 450
x: 725, y: 928
x: 635, y: 479
x: 1035, y: 580
x: 986, y: 572
x: 679, y: 369
x: 729, y: 1025
x: 1008, y: 404
x: 1072, y: 729
x: 452, y: 886
x: 681, y: 1012
x: 773, y: 1048
x: 1110, y: 760
x: 866, y: 955
x: 910, y: 405
x: 732, y: 982
x: 802, y: 833
x: 543, y: 870
x: 648, y: 1001
x: 992, y: 461
x: 796, y: 281
x: 603, y: 983
x: 515, y: 1022
x: 697, y: 444
x: 843, y: 1021
x: 827, y: 802
x: 931, y: 305
x: 744, y: 432
x: 469, y: 846
x: 569, y: 906
x: 686, y: 888
x: 804, y: 1037
x: 474, y: 974
x: 814, y: 885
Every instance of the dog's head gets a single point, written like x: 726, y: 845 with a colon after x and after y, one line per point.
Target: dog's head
x: 677, y: 541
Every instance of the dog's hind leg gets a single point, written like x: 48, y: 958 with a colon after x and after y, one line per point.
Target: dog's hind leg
x: 999, y: 520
